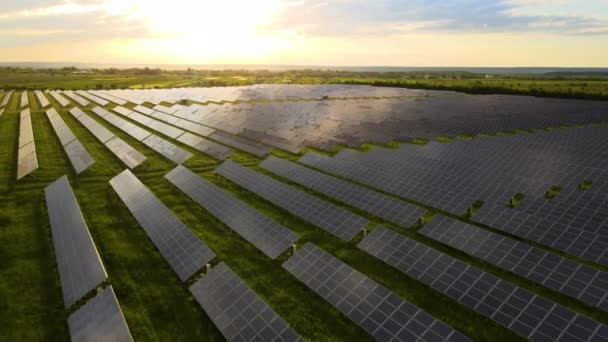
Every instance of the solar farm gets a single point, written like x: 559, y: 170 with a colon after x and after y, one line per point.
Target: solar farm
x: 302, y: 213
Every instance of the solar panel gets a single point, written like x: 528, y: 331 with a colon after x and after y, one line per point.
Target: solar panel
x: 242, y: 144
x: 26, y: 134
x: 265, y: 234
x: 122, y: 110
x: 548, y: 231
x: 100, y: 319
x: 44, y: 102
x: 237, y: 311
x: 144, y: 110
x: 183, y: 250
x: 79, y: 156
x: 131, y: 129
x: 81, y: 101
x: 335, y: 220
x: 27, y: 161
x: 24, y: 100
x: 558, y: 273
x: 59, y: 98
x: 388, y: 208
x: 76, y: 152
x: 64, y: 133
x: 1, y: 112
x: 529, y: 315
x: 380, y: 312
x: 80, y: 268
x: 7, y: 97
x: 167, y: 149
x: 99, y: 131
x: 209, y: 147
x: 96, y: 99
x: 125, y: 152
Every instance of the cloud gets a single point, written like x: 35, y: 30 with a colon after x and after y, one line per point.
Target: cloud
x: 321, y: 18
x: 382, y: 17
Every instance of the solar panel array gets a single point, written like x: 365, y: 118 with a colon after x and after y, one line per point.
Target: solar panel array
x: 327, y: 216
x: 123, y: 151
x: 76, y: 152
x: 237, y: 311
x: 265, y: 234
x: 380, y: 312
x: 381, y: 205
x: 59, y: 98
x: 553, y: 271
x: 80, y: 268
x: 44, y: 102
x: 24, y: 100
x: 183, y: 250
x: 100, y: 319
x: 27, y: 162
x: 364, y: 114
x: 529, y: 315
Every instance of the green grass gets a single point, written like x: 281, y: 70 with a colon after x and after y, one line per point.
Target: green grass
x: 157, y: 306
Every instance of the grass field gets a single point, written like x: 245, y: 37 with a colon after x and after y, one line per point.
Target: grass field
x: 157, y: 306
x: 570, y: 86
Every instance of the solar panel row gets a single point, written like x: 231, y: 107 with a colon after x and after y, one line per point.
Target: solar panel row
x: 584, y: 244
x: 93, y: 98
x: 529, y: 315
x: 265, y: 234
x: 76, y: 152
x: 380, y: 312
x: 6, y: 98
x: 553, y: 271
x: 79, y: 99
x: 386, y: 207
x: 80, y: 268
x: 42, y: 100
x: 209, y: 147
x: 131, y: 129
x: 59, y: 98
x: 183, y: 250
x: 108, y: 97
x: 27, y: 162
x: 123, y: 151
x: 24, y: 100
x: 333, y: 219
x: 100, y: 319
x: 242, y: 144
x: 237, y: 311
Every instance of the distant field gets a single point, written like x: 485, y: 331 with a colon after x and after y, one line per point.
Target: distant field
x: 569, y: 86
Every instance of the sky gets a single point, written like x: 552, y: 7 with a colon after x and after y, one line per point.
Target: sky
x: 493, y: 33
